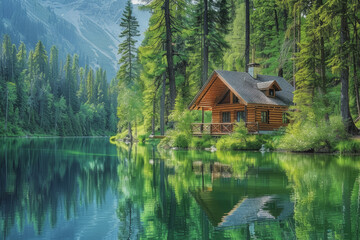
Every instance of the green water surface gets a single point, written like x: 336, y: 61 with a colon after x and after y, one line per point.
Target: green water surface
x: 86, y: 188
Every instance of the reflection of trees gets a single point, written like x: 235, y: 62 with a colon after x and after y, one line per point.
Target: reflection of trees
x: 324, y: 189
x: 38, y: 176
x: 325, y: 195
x: 159, y: 188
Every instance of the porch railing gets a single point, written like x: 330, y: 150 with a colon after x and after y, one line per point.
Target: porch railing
x: 220, y: 128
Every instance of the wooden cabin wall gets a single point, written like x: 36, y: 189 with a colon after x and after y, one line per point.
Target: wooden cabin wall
x: 253, y: 114
x: 275, y: 116
x: 232, y: 108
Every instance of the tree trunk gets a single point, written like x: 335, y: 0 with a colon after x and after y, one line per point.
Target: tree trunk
x: 285, y: 19
x: 322, y: 67
x: 344, y: 74
x: 355, y: 61
x: 276, y: 20
x: 205, y: 42
x: 169, y: 55
x: 294, y: 51
x: 153, y: 119
x: 130, y: 132
x: 7, y: 107
x: 356, y: 85
x: 162, y: 106
x: 247, y: 34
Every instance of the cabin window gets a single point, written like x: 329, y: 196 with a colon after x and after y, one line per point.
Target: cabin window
x: 226, y: 98
x: 226, y: 117
x: 285, y: 118
x: 271, y: 92
x: 235, y: 99
x: 265, y: 117
x: 240, y: 115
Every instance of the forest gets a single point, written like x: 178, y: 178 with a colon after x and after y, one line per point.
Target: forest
x: 41, y: 95
x: 312, y: 44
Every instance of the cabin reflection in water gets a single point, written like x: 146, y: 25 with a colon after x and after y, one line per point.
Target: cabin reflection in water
x: 259, y: 195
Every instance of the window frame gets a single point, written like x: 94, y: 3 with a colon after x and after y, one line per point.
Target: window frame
x: 238, y: 116
x: 226, y: 116
x: 265, y: 117
x: 285, y: 118
x: 271, y: 90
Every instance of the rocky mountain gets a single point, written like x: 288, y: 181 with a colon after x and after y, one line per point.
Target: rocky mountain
x: 89, y: 28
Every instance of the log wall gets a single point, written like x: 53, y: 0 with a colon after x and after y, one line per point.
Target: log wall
x: 253, y: 114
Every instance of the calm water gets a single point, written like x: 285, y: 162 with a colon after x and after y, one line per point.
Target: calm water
x: 86, y: 188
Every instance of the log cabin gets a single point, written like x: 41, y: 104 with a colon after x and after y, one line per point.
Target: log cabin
x: 260, y: 101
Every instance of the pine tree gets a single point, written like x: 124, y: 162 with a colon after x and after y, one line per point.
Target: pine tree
x: 40, y: 59
x: 127, y: 50
x: 20, y: 83
x: 81, y: 94
x: 90, y: 85
x: 127, y: 74
x: 54, y: 70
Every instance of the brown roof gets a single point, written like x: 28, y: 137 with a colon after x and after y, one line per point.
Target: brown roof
x: 246, y: 87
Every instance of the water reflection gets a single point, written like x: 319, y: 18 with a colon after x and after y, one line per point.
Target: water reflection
x: 89, y: 189
x: 260, y: 195
x: 47, y: 181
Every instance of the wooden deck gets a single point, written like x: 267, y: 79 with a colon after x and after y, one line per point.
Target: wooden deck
x: 218, y: 129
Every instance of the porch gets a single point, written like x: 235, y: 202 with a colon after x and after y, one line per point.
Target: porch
x: 217, y: 129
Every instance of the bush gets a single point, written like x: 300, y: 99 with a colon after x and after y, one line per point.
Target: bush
x: 348, y: 146
x: 241, y: 140
x: 142, y: 138
x: 205, y: 141
x: 165, y: 143
x: 181, y: 140
x: 314, y: 136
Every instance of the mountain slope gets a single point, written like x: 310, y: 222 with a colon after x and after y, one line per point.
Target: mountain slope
x: 89, y: 28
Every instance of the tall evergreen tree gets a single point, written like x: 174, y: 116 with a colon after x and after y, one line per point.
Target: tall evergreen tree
x: 344, y: 72
x: 127, y: 49
x: 247, y: 34
x: 40, y: 59
x: 127, y: 75
x: 54, y: 70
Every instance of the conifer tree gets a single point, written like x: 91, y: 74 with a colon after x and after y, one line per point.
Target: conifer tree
x: 40, y: 59
x: 54, y: 70
x: 127, y: 74
x: 90, y: 87
x: 127, y: 50
x: 20, y: 83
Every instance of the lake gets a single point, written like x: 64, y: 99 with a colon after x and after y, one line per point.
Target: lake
x: 87, y: 188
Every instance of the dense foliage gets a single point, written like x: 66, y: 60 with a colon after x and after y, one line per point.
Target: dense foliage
x: 41, y: 95
x: 312, y: 44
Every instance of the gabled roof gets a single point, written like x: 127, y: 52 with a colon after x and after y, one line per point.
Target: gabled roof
x: 244, y: 86
x: 268, y: 84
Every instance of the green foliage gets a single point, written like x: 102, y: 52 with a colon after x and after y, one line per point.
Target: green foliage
x: 241, y: 140
x: 39, y: 102
x: 181, y: 140
x: 205, y: 141
x: 348, y: 146
x: 314, y: 136
x: 250, y: 142
x: 240, y: 130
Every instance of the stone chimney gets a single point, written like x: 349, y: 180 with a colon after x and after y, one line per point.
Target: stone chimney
x: 252, y: 66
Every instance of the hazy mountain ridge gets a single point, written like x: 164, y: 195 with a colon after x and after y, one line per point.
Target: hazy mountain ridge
x: 88, y: 28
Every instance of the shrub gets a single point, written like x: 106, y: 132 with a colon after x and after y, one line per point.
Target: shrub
x: 181, y: 140
x: 205, y: 141
x: 314, y: 136
x: 348, y: 146
x: 142, y: 138
x: 165, y: 143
